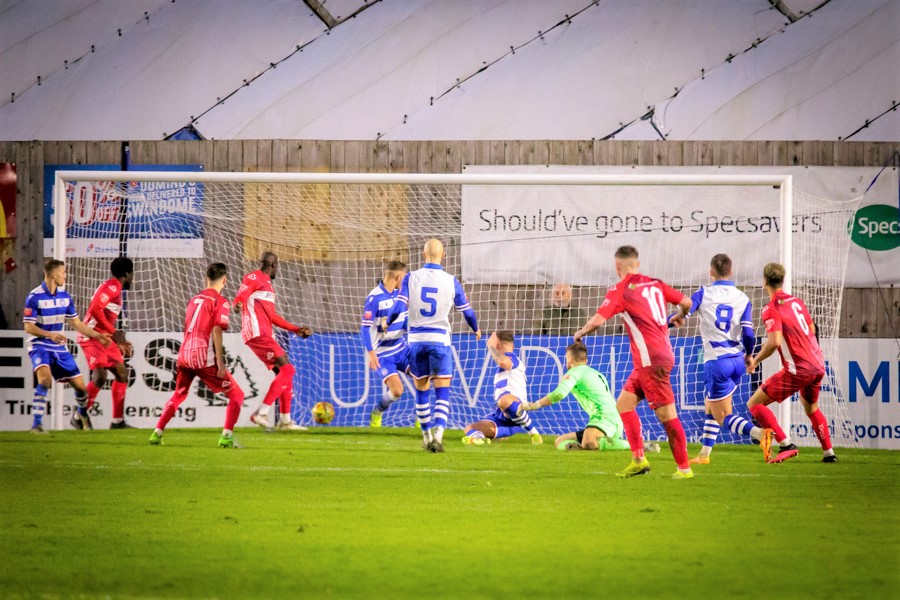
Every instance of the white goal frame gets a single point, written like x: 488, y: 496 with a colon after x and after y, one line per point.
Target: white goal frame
x: 783, y: 182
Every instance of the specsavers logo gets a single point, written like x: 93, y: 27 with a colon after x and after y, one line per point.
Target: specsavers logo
x: 876, y: 227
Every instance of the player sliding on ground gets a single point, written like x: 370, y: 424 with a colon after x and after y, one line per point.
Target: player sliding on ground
x: 604, y: 429
x: 791, y: 331
x: 510, y: 395
x: 256, y: 301
x: 102, y: 314
x: 387, y: 351
x: 642, y: 302
x: 726, y: 327
x: 206, y: 319
x: 429, y: 293
x: 47, y: 309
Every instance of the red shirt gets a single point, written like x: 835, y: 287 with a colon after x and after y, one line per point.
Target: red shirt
x: 104, y: 309
x: 257, y: 295
x: 799, y: 350
x: 642, y: 302
x: 206, y: 310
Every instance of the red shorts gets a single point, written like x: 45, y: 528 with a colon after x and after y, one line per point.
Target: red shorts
x: 100, y: 357
x: 653, y: 384
x: 266, y: 348
x: 185, y: 376
x: 785, y: 384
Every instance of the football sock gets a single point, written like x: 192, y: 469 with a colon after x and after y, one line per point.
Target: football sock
x: 283, y: 380
x: 158, y: 432
x: 118, y: 400
x: 386, y: 400
x: 474, y: 433
x: 284, y: 418
x: 437, y: 433
x: 287, y: 398
x: 441, y: 406
x: 710, y: 433
x: 742, y: 426
x: 38, y: 405
x: 767, y: 419
x: 820, y: 427
x: 233, y: 410
x: 92, y: 391
x: 227, y: 433
x: 633, y: 432
x: 423, y: 410
x: 263, y: 410
x: 523, y: 420
x: 504, y: 432
x: 81, y: 400
x: 677, y: 443
x: 170, y: 408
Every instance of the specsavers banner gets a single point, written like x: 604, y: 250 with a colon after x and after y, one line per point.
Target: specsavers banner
x: 546, y: 234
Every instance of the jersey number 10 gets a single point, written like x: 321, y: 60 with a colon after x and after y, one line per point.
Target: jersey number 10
x: 657, y: 303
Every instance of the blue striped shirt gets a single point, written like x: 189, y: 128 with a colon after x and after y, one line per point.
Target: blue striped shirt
x: 49, y: 312
x: 379, y: 305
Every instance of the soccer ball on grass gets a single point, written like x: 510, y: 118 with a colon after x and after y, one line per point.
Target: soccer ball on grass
x: 323, y: 412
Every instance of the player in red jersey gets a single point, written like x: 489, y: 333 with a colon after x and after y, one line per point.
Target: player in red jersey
x: 642, y: 302
x: 102, y: 315
x: 201, y: 355
x: 256, y: 301
x: 791, y: 331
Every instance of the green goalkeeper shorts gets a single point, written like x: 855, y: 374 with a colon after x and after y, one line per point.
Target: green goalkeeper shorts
x: 612, y: 433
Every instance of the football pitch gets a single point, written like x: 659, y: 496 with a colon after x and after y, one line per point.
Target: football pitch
x: 354, y: 513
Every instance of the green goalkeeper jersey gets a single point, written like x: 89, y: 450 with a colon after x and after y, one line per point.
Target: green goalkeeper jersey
x: 590, y: 389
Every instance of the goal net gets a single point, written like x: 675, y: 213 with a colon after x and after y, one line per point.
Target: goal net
x: 535, y: 257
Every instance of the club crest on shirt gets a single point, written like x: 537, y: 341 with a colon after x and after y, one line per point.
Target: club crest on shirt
x: 270, y: 355
x: 27, y: 312
x: 368, y: 314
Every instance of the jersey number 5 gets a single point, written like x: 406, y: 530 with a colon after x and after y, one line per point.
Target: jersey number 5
x: 657, y: 303
x: 427, y: 292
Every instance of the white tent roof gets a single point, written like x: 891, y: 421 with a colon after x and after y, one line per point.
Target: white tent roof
x: 450, y: 69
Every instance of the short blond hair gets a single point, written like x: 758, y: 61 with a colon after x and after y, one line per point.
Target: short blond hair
x: 774, y: 274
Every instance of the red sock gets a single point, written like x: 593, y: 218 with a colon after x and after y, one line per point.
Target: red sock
x: 171, y: 406
x: 286, y: 396
x: 677, y: 442
x: 766, y: 418
x: 820, y: 426
x: 233, y: 410
x: 118, y: 399
x: 283, y: 380
x: 92, y: 391
x: 633, y: 433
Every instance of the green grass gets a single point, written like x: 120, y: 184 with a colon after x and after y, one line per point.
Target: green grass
x: 356, y: 513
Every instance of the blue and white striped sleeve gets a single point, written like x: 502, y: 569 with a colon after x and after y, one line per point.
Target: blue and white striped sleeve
x: 747, y: 335
x: 32, y: 310
x: 696, y: 301
x: 462, y: 304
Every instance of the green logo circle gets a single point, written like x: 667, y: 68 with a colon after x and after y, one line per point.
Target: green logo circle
x: 876, y: 227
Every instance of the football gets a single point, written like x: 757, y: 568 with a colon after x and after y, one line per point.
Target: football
x: 323, y: 412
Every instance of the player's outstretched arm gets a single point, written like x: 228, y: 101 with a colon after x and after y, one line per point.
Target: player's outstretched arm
x: 279, y: 321
x: 31, y: 328
x: 594, y: 323
x: 500, y: 358
x: 218, y: 347
x: 90, y: 332
x: 773, y: 341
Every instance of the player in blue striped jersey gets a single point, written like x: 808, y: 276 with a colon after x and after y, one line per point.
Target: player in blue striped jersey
x: 387, y: 351
x: 428, y: 294
x: 510, y: 396
x: 726, y: 327
x: 47, y: 309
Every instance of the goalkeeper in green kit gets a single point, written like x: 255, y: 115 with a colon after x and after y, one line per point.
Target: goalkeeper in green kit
x: 604, y: 428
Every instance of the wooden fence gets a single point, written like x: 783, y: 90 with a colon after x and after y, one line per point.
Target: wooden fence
x: 865, y: 312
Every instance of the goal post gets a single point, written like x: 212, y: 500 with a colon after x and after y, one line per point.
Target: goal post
x: 333, y: 231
